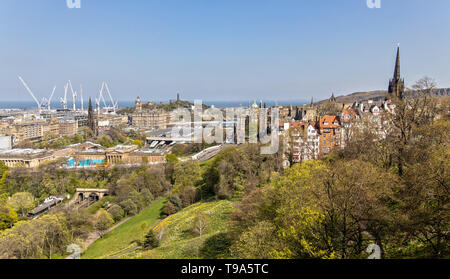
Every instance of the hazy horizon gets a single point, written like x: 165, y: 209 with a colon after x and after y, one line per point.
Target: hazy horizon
x: 219, y: 51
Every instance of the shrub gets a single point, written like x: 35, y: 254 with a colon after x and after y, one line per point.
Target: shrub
x: 188, y: 196
x: 116, y: 212
x: 147, y: 196
x: 150, y: 241
x: 169, y: 209
x: 176, y: 201
x: 129, y: 207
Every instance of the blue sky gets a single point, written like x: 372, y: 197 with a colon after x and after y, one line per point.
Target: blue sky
x: 220, y: 50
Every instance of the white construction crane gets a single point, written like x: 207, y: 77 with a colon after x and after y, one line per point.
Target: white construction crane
x: 31, y: 93
x: 64, y: 101
x: 101, y: 97
x: 114, y: 104
x: 81, y: 95
x: 97, y: 105
x: 51, y: 97
x: 74, y: 97
x: 47, y: 102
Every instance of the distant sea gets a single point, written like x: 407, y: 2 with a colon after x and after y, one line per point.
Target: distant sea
x: 123, y: 104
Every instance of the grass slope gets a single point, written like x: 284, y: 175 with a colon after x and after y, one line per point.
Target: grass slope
x: 122, y: 238
x: 180, y: 242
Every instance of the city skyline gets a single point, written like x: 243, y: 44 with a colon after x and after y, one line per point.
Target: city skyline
x: 219, y: 51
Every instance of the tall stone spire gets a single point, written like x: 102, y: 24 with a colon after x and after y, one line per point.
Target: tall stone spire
x: 397, y: 65
x: 396, y: 84
x: 91, y: 118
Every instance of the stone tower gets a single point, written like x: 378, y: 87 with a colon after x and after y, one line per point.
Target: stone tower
x: 138, y: 104
x: 396, y: 84
x: 332, y: 99
x: 91, y: 119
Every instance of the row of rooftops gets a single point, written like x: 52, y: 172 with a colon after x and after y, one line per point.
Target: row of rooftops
x: 131, y: 149
x: 327, y: 121
x: 80, y: 148
x: 30, y: 153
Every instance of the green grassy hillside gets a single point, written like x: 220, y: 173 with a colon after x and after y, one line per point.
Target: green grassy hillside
x: 179, y: 240
x: 122, y: 238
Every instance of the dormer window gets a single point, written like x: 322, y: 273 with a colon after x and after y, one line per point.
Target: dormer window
x: 325, y: 123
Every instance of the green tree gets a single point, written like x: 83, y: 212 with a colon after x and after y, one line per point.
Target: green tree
x: 201, y: 223
x: 188, y: 195
x: 116, y: 212
x: 169, y: 209
x: 4, y: 170
x: 150, y: 241
x: 129, y: 207
x: 186, y: 174
x: 38, y: 238
x: 171, y: 158
x: 7, y: 216
x: 103, y: 221
x: 258, y: 242
x: 22, y: 202
x: 54, y: 232
x: 147, y: 196
x: 425, y: 203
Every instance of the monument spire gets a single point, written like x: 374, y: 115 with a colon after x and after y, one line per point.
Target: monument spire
x: 91, y: 118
